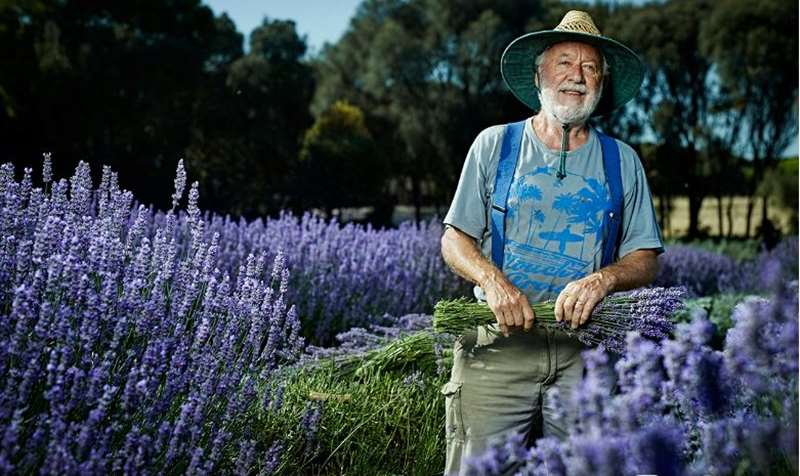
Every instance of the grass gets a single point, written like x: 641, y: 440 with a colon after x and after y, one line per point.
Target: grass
x: 709, y: 218
x: 372, y: 423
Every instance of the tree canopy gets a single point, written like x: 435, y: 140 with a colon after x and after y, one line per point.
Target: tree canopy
x: 390, y: 109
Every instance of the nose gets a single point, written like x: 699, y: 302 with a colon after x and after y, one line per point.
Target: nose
x: 575, y: 73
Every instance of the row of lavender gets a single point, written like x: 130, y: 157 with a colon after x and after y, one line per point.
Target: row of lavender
x: 341, y: 275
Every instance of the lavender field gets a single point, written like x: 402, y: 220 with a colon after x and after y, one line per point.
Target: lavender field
x: 138, y: 341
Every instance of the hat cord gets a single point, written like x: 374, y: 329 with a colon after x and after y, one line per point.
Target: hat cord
x: 562, y: 172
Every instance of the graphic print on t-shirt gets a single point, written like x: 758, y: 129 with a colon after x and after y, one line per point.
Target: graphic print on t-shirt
x: 554, y: 241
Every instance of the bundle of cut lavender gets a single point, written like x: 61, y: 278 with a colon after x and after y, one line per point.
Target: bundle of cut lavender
x: 648, y: 311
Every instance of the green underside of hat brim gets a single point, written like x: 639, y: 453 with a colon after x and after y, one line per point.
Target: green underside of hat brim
x: 625, y: 68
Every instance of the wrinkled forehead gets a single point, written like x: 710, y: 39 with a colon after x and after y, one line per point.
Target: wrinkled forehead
x: 573, y: 49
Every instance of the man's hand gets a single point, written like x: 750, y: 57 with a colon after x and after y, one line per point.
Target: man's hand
x: 509, y: 305
x: 578, y: 299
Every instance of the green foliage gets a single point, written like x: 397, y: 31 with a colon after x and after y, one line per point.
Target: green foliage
x: 245, y: 149
x: 426, y: 74
x: 416, y: 351
x: 780, y: 186
x: 757, y: 68
x: 718, y: 308
x: 107, y: 82
x: 339, y: 162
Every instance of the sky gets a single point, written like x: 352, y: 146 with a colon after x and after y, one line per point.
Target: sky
x: 319, y: 20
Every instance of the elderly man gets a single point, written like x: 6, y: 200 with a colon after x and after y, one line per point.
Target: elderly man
x: 547, y: 208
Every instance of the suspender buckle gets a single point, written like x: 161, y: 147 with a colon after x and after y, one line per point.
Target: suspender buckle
x: 500, y: 209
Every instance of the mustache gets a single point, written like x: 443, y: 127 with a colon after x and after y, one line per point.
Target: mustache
x: 577, y: 88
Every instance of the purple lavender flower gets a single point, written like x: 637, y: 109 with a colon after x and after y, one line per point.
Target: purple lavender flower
x: 246, y: 455
x: 702, y: 272
x: 47, y: 168
x: 180, y: 184
x: 547, y: 458
x: 597, y: 456
x: 273, y: 458
x: 658, y: 449
x: 415, y: 380
x: 697, y: 375
x: 310, y: 426
x: 500, y: 457
x: 640, y: 379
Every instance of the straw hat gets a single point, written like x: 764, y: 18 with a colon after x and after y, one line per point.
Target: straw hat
x: 625, y: 68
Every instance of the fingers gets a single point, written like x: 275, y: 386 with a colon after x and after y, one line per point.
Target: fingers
x: 502, y: 320
x: 570, y: 305
x: 587, y: 309
x: 511, y: 308
x: 569, y: 310
x: 565, y: 303
x: 559, y: 306
x: 504, y: 329
x: 528, y: 313
x: 576, y: 302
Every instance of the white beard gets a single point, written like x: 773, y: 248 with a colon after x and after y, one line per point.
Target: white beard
x: 566, y: 114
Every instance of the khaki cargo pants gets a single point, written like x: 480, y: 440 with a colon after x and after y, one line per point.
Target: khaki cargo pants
x: 501, y: 385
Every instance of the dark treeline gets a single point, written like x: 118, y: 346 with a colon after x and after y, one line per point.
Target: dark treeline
x: 385, y: 115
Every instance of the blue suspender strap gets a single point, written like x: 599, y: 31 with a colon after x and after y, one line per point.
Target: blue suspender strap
x: 509, y: 152
x: 612, y: 220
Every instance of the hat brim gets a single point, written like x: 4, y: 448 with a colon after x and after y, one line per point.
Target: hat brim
x: 625, y: 68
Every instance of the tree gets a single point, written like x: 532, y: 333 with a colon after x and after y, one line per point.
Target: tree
x: 247, y: 136
x: 339, y: 164
x: 426, y: 74
x: 674, y: 96
x: 757, y: 68
x: 107, y: 82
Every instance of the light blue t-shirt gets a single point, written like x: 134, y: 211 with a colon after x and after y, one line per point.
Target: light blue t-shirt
x: 554, y: 231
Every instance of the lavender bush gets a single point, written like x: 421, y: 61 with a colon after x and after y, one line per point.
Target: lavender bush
x: 705, y: 273
x: 702, y: 272
x: 342, y: 276
x: 127, y: 344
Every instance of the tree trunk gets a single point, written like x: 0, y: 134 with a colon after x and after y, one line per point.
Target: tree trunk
x: 749, y: 215
x: 668, y: 213
x: 720, y: 223
x: 695, y: 202
x: 662, y: 213
x: 730, y: 216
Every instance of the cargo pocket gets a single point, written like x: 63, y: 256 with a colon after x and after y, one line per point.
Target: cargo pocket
x: 454, y: 423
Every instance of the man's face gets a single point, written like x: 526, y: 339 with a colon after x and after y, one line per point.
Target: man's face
x: 571, y: 80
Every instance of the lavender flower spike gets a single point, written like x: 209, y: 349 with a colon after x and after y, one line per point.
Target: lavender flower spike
x: 180, y: 184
